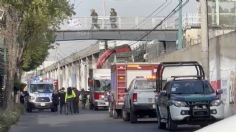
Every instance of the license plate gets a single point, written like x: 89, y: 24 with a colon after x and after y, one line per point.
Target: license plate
x: 42, y: 104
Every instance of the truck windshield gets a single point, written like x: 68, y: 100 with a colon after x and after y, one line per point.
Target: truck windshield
x: 102, y: 85
x: 145, y: 84
x: 191, y: 87
x: 41, y: 88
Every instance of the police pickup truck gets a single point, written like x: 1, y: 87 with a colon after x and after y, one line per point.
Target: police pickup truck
x: 139, y: 100
x: 188, y: 100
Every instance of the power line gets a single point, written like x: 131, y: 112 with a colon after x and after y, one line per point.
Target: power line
x: 177, y: 8
x: 151, y: 14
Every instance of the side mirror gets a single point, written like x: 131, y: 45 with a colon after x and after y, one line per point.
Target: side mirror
x: 163, y: 93
x: 219, y: 91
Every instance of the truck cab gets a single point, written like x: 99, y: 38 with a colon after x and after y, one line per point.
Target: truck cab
x: 39, y: 95
x: 98, y: 93
x: 99, y: 84
x: 139, y: 100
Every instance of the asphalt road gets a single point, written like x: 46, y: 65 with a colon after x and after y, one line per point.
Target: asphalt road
x: 86, y: 121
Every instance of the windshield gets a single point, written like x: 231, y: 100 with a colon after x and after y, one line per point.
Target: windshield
x: 191, y: 87
x: 41, y: 88
x: 145, y: 84
x: 102, y: 85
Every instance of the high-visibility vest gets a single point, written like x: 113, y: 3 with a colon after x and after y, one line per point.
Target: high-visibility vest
x: 69, y: 96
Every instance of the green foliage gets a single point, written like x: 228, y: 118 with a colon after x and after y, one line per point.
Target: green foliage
x: 7, y: 118
x: 39, y: 18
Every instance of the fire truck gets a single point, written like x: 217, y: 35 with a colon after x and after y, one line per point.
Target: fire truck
x: 99, y: 84
x: 122, y: 75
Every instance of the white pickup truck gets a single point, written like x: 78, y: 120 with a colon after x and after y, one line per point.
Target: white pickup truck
x: 139, y: 100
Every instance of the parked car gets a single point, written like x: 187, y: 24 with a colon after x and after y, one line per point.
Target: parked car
x: 188, y: 101
x: 139, y: 100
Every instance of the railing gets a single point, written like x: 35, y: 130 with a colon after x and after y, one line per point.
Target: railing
x: 85, y: 23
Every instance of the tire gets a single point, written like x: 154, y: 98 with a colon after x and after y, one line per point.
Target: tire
x: 170, y: 124
x: 161, y: 125
x: 125, y: 115
x: 133, y: 117
x: 29, y: 109
x: 52, y: 110
x: 95, y: 108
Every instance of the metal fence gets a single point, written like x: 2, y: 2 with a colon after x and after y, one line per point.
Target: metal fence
x: 85, y: 23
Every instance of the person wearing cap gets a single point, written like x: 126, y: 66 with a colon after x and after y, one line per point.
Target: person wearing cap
x: 94, y: 16
x: 113, y: 18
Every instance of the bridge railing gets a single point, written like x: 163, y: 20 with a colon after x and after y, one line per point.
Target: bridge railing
x: 104, y: 23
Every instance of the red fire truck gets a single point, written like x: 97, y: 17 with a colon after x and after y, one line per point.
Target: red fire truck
x: 99, y: 83
x: 121, y: 76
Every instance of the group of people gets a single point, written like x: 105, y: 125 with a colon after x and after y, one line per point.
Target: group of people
x: 113, y: 19
x: 69, y: 99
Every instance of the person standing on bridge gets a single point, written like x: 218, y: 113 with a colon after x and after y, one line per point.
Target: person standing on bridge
x: 113, y: 18
x: 94, y: 16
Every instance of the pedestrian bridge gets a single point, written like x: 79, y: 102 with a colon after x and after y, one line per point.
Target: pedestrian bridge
x: 128, y: 28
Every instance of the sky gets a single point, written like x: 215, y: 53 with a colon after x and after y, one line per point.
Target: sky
x: 124, y: 8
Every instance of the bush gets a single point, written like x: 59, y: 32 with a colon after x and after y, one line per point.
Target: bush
x: 8, y: 118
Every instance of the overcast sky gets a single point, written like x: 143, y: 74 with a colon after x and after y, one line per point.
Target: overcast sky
x: 129, y: 7
x: 123, y: 8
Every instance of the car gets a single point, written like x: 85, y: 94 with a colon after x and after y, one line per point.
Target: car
x: 188, y: 100
x: 227, y: 125
x: 139, y: 100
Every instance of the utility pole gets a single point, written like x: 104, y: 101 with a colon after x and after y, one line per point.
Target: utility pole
x: 204, y: 37
x: 180, y: 28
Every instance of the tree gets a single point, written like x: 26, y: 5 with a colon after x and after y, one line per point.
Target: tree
x: 29, y: 32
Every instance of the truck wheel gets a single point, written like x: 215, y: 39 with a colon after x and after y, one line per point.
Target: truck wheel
x: 161, y: 125
x: 28, y: 109
x: 95, y: 108
x: 133, y: 116
x: 125, y: 115
x: 170, y: 124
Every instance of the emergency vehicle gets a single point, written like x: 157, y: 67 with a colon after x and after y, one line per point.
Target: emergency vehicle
x: 122, y: 75
x: 39, y: 94
x: 99, y: 84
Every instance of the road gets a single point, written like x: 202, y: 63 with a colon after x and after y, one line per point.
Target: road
x: 86, y: 121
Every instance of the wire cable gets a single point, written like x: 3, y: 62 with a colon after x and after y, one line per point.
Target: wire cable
x: 177, y: 8
x: 164, y: 4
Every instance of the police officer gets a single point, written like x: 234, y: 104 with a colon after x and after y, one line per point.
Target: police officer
x: 62, y: 95
x: 76, y: 100
x: 70, y: 96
